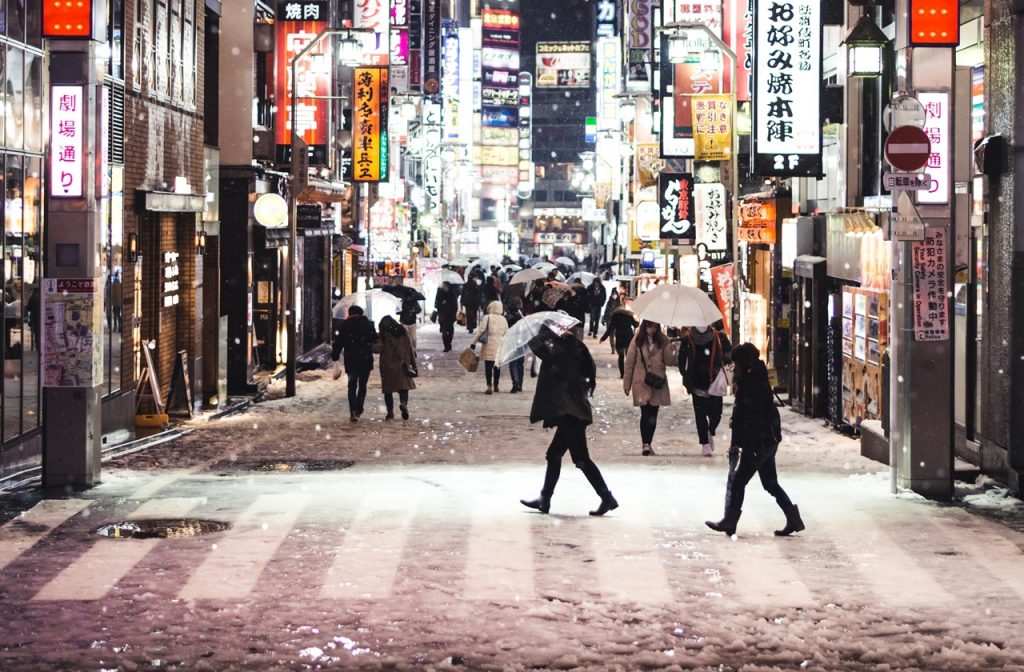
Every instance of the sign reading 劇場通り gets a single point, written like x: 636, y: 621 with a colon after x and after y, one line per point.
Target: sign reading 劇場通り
x: 66, y: 131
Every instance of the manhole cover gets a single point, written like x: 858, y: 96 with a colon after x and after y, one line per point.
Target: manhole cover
x: 284, y: 466
x: 161, y: 528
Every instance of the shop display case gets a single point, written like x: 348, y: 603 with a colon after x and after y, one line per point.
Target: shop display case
x: 865, y: 338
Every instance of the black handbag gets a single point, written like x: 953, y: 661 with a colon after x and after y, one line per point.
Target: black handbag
x: 651, y: 380
x: 410, y: 370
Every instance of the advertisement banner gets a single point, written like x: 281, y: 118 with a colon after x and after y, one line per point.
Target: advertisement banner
x: 563, y: 65
x: 787, y: 129
x: 373, y: 15
x: 648, y: 163
x: 738, y: 35
x: 684, y: 75
x: 431, y: 46
x: 72, y: 333
x: 675, y: 200
x: 639, y: 44
x: 310, y: 114
x: 370, y: 125
x: 722, y: 278
x: 712, y: 127
x: 931, y: 299
x: 451, y: 80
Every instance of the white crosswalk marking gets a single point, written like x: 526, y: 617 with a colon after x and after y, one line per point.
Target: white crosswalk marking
x: 234, y: 565
x: 628, y: 565
x: 367, y: 562
x: 989, y: 549
x: 499, y: 560
x: 22, y: 533
x: 99, y: 569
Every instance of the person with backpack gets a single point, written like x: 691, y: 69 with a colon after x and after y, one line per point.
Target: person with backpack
x: 702, y: 355
x: 756, y: 433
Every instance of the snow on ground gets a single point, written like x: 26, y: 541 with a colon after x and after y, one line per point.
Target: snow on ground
x: 419, y: 556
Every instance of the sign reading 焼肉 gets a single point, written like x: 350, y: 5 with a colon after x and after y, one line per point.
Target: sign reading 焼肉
x: 72, y: 325
x: 931, y: 298
x: 787, y: 88
x: 370, y: 125
x: 66, y: 107
x: 298, y: 24
x: 675, y: 200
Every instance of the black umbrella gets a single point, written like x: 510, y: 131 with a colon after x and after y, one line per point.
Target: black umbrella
x: 402, y: 292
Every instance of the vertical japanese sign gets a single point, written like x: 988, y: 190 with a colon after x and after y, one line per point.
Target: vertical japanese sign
x: 374, y: 15
x: 738, y: 35
x: 609, y: 83
x: 606, y: 19
x: 931, y: 298
x: 936, y: 127
x: 712, y: 127
x: 399, y: 58
x: 369, y: 125
x: 451, y: 80
x: 72, y: 325
x: 298, y: 24
x: 722, y: 281
x: 431, y: 46
x: 757, y: 221
x: 712, y: 225
x: 684, y: 74
x: 675, y: 200
x: 415, y: 45
x: 66, y: 107
x: 787, y: 88
x: 639, y: 44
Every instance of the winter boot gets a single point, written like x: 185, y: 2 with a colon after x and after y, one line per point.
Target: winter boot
x: 389, y: 416
x: 542, y: 503
x: 706, y: 450
x: 405, y: 411
x: 647, y: 450
x: 353, y: 416
x: 793, y: 522
x: 489, y: 390
x: 608, y: 503
x: 726, y: 524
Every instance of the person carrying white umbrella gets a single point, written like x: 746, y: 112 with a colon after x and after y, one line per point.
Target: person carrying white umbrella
x: 649, y: 356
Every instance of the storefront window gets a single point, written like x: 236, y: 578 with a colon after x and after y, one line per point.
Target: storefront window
x: 112, y: 211
x: 34, y: 22
x: 13, y: 303
x: 14, y: 86
x: 31, y: 273
x: 115, y: 38
x: 16, y: 19
x: 33, y: 102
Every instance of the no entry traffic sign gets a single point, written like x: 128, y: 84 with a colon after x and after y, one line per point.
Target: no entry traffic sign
x: 907, y: 148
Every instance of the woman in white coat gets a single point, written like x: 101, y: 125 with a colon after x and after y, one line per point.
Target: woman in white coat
x: 491, y: 333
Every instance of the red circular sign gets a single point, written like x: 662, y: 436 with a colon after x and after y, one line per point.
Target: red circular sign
x: 907, y: 148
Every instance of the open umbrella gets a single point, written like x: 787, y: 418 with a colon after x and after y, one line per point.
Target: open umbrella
x: 517, y: 340
x: 565, y: 261
x: 527, y: 276
x: 531, y: 261
x: 401, y: 291
x: 373, y: 300
x: 553, y: 292
x: 512, y: 268
x: 444, y: 275
x: 583, y: 277
x: 677, y: 306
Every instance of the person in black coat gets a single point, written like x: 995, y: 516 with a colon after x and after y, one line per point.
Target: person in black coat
x: 355, y: 337
x: 702, y: 354
x: 446, y: 306
x: 756, y: 433
x: 567, y: 376
x: 621, y: 326
x: 596, y: 296
x: 472, y: 293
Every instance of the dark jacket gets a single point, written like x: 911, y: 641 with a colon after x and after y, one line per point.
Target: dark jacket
x: 623, y: 324
x: 567, y: 376
x: 471, y: 294
x: 446, y: 303
x: 534, y: 302
x: 410, y: 309
x: 597, y: 294
x: 355, y: 337
x: 755, y: 419
x: 699, y: 364
x: 575, y: 304
x: 514, y: 310
x: 492, y: 289
x: 396, y: 356
x: 610, y: 307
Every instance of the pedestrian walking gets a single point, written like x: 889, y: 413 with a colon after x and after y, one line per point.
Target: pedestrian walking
x: 596, y: 296
x: 575, y: 303
x: 355, y: 337
x: 614, y: 301
x: 702, y: 354
x: 471, y: 295
x: 567, y: 376
x: 621, y: 327
x: 446, y: 309
x: 516, y: 368
x: 408, y: 316
x: 397, y: 366
x: 756, y: 433
x: 491, y: 332
x: 649, y: 355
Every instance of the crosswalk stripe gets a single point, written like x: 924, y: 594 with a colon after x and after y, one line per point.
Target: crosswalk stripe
x: 628, y: 569
x: 233, y: 566
x: 100, y: 568
x: 989, y: 549
x: 366, y: 564
x: 499, y: 558
x: 22, y: 533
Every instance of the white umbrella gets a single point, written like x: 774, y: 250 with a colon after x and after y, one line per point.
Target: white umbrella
x: 545, y: 266
x: 527, y: 276
x: 677, y: 306
x: 440, y: 275
x: 517, y: 340
x: 565, y: 261
x: 584, y: 277
x: 512, y: 268
x: 371, y: 300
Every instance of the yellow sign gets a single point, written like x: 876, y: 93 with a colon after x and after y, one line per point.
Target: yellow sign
x: 369, y: 125
x: 712, y: 127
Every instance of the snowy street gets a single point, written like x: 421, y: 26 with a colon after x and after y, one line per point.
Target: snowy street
x: 411, y: 551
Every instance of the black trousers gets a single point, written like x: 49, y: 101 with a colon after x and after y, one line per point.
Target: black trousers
x: 622, y: 359
x: 516, y: 369
x: 595, y: 320
x: 389, y: 400
x: 571, y: 436
x: 471, y: 316
x: 357, y: 390
x: 447, y: 333
x: 761, y: 463
x: 492, y: 372
x: 708, y: 411
x: 648, y: 422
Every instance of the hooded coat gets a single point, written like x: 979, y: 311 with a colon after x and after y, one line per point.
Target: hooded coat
x: 496, y: 326
x: 396, y: 354
x: 755, y: 419
x: 567, y: 376
x: 658, y: 360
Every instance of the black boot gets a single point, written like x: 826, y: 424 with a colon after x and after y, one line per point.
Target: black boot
x: 726, y: 524
x: 596, y: 480
x: 793, y: 522
x: 542, y: 503
x: 608, y: 503
x: 551, y: 474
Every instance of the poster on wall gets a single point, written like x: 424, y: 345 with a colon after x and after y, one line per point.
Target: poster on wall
x: 370, y: 148
x: 722, y: 282
x: 675, y: 200
x: 787, y: 88
x: 72, y: 329
x: 712, y: 127
x: 931, y: 298
x: 563, y: 65
x: 298, y: 24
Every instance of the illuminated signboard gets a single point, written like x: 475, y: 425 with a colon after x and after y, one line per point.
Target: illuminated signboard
x: 64, y: 18
x: 639, y: 43
x: 675, y: 201
x: 369, y: 125
x: 374, y: 15
x: 934, y: 23
x: 450, y: 79
x: 787, y: 88
x: 67, y: 103
x: 563, y: 65
x: 684, y: 74
x: 936, y: 127
x: 298, y: 24
x: 606, y: 16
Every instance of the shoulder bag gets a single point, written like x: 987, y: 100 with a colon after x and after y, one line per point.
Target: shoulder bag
x: 721, y: 386
x: 651, y: 380
x: 487, y: 330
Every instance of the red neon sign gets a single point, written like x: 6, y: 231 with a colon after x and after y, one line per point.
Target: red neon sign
x: 67, y: 18
x: 934, y: 23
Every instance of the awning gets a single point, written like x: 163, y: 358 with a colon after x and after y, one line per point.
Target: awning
x: 322, y: 191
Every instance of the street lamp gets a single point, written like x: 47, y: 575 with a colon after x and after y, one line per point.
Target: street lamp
x: 864, y: 44
x: 350, y: 46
